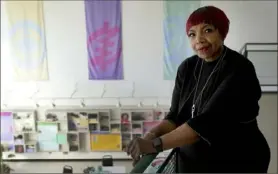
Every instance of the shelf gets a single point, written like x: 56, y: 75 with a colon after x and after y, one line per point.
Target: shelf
x: 112, y: 127
x: 96, y: 155
x: 135, y: 132
x: 149, y: 121
x: 100, y: 132
x: 26, y: 132
x: 30, y: 143
x: 115, y: 121
x: 72, y: 132
x: 115, y: 132
x: 57, y: 122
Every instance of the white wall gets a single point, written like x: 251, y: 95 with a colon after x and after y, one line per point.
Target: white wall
x: 251, y: 21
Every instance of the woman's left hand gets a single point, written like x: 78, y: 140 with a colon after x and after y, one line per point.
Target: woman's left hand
x: 139, y: 146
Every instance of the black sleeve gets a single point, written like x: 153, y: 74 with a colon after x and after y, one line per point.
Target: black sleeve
x: 173, y: 113
x: 235, y: 101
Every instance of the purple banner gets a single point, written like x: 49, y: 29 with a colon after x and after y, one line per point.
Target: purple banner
x: 6, y: 126
x: 104, y: 39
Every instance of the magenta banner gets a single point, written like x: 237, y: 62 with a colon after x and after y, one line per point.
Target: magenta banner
x: 104, y: 39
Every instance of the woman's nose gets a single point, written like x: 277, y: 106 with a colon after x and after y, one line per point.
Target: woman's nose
x: 200, y: 38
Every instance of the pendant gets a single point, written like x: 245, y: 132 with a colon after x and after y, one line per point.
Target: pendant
x: 192, y: 110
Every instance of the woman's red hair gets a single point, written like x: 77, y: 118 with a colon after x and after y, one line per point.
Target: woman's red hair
x: 209, y: 15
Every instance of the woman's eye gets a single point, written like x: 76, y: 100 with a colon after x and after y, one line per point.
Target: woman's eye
x: 208, y: 30
x: 191, y: 34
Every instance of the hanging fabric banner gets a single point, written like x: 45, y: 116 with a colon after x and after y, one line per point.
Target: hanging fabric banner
x: 6, y: 127
x: 27, y: 39
x: 104, y: 39
x: 176, y: 44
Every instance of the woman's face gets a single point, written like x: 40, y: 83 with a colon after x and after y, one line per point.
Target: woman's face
x: 206, y: 41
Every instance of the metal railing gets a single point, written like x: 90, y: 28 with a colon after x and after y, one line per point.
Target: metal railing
x: 143, y: 163
x: 244, y: 49
x: 167, y: 164
x: 264, y: 58
x: 170, y: 165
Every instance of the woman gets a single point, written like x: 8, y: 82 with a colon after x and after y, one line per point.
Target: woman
x: 214, y: 106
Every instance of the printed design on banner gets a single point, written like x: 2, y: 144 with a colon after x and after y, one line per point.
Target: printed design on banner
x: 30, y: 45
x: 99, y: 44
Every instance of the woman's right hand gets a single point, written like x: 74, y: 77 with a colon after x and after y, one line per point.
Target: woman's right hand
x: 148, y: 136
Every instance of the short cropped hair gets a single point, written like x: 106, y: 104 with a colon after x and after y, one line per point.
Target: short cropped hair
x: 209, y: 15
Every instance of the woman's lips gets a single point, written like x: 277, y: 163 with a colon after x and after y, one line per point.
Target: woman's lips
x: 204, y: 49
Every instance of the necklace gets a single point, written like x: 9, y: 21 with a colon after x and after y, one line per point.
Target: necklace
x: 196, y: 98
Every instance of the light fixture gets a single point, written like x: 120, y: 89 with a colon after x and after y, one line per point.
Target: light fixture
x: 53, y: 104
x: 156, y: 104
x: 118, y: 103
x: 140, y: 104
x: 37, y: 105
x: 82, y: 103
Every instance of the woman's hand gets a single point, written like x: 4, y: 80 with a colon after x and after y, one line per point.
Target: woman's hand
x: 139, y: 146
x: 148, y: 136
